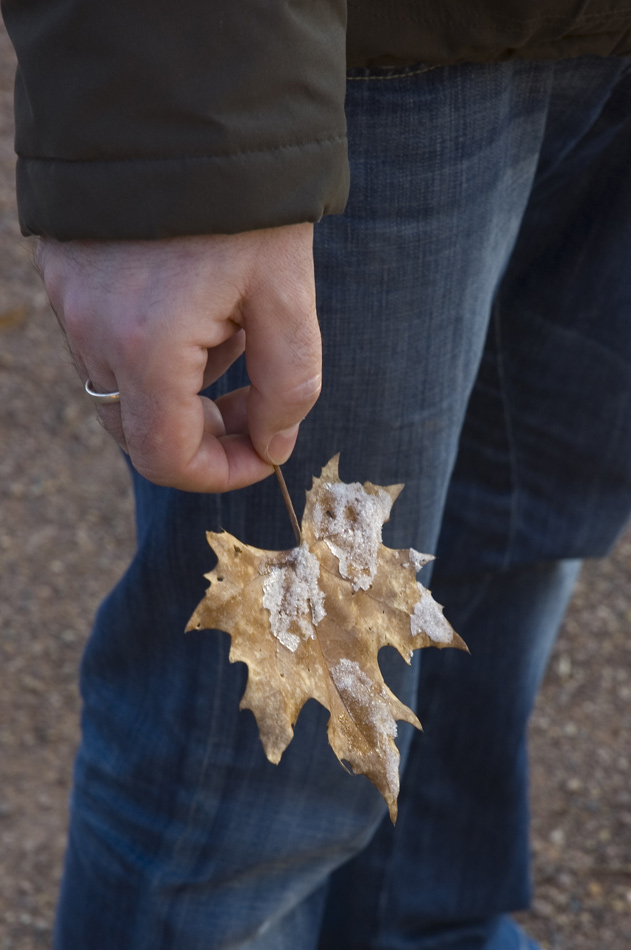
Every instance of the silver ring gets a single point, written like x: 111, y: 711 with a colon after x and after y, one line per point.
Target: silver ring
x: 103, y: 398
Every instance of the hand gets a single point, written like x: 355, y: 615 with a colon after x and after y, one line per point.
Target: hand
x: 161, y: 320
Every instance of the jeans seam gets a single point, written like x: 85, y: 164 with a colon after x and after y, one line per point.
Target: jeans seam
x: 510, y: 435
x: 395, y: 75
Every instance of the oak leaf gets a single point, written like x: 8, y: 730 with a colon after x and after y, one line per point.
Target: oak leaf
x: 310, y: 622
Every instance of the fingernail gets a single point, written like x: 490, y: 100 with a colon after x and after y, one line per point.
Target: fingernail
x: 281, y: 446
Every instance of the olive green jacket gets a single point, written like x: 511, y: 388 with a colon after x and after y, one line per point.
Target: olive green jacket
x: 145, y: 118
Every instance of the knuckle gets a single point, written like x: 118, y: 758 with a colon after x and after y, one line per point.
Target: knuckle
x: 151, y: 466
x: 130, y: 343
x: 297, y: 386
x: 289, y: 404
x: 307, y: 391
x: 301, y: 298
x: 149, y: 453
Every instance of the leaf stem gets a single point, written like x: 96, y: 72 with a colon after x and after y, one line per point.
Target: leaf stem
x: 288, y: 504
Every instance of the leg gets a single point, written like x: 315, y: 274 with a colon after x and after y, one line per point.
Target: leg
x: 541, y: 475
x: 182, y: 835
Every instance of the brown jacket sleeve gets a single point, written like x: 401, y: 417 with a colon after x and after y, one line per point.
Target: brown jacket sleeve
x: 149, y: 118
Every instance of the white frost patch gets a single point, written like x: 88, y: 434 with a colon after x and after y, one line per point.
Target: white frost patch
x: 419, y: 560
x: 352, y: 682
x: 428, y: 618
x: 350, y: 523
x: 293, y: 597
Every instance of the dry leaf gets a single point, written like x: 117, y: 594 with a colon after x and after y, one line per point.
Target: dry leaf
x: 310, y: 622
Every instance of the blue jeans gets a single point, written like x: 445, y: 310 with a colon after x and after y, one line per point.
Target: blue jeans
x: 475, y: 307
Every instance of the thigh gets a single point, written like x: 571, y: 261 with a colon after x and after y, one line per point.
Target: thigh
x: 544, y: 462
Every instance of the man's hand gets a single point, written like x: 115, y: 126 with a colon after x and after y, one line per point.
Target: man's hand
x: 160, y: 320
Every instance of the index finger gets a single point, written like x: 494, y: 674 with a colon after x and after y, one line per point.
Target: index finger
x: 177, y: 438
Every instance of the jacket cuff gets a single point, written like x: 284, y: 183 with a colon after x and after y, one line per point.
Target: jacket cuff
x: 138, y: 199
x: 145, y: 119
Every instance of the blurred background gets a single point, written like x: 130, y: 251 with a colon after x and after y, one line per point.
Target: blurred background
x: 66, y: 534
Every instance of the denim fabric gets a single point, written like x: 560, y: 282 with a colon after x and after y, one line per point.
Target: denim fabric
x: 482, y: 263
x: 459, y: 855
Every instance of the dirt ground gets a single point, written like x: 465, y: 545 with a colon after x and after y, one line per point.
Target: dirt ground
x: 66, y: 535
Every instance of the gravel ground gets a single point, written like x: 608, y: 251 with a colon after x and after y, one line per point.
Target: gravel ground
x: 66, y: 535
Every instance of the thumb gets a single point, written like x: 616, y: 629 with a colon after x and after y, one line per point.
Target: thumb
x: 284, y: 362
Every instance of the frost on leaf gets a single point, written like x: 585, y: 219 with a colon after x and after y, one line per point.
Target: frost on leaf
x: 293, y: 597
x: 309, y: 623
